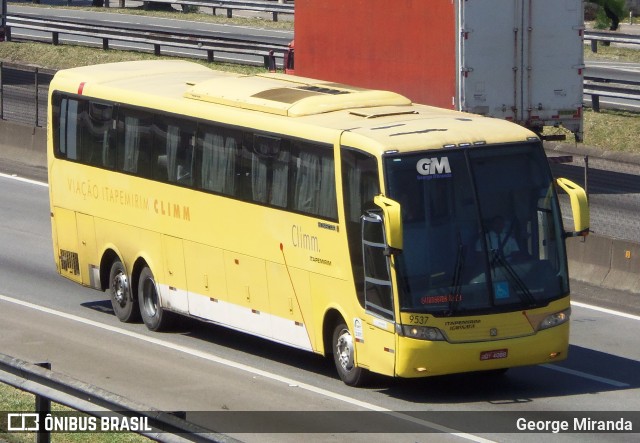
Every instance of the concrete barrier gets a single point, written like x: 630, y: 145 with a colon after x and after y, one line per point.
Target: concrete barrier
x: 596, y: 260
x: 589, y: 258
x: 605, y: 262
x: 625, y: 267
x: 23, y: 142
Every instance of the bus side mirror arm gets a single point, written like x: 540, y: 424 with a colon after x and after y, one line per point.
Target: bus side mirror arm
x: 392, y: 223
x: 389, y: 251
x: 579, y: 207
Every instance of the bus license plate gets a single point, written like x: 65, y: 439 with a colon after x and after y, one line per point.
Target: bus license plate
x: 493, y: 355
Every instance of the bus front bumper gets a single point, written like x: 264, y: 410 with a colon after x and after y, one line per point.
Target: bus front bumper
x: 421, y: 358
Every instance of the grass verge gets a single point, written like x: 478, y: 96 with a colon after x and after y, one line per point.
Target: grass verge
x: 612, y: 53
x: 15, y: 400
x: 608, y: 130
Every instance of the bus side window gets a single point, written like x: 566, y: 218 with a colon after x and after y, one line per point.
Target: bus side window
x: 270, y: 170
x: 64, y: 148
x: 217, y: 159
x: 173, y: 142
x: 65, y: 127
x: 313, y: 175
x: 94, y: 134
x: 133, y: 153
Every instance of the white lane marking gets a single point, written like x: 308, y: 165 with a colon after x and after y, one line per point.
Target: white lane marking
x: 606, y: 311
x: 246, y: 368
x: 23, y: 180
x: 607, y: 381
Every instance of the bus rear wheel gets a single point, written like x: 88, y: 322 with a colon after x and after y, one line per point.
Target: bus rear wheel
x: 124, y: 305
x: 154, y: 316
x: 344, y: 357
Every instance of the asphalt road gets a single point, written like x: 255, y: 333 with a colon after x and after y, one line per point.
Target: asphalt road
x: 199, y: 367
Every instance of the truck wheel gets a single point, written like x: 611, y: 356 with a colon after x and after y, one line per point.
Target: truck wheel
x: 154, y: 316
x: 124, y: 305
x: 343, y: 356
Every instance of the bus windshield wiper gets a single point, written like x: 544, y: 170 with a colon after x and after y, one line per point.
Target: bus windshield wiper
x: 456, y: 284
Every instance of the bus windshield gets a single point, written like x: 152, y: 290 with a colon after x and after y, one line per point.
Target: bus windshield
x: 482, y: 230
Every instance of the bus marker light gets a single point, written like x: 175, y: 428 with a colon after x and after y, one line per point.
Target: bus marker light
x: 81, y: 88
x: 421, y: 369
x: 554, y: 354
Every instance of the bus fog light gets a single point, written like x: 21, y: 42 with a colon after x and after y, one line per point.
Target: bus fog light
x: 422, y: 333
x: 555, y: 319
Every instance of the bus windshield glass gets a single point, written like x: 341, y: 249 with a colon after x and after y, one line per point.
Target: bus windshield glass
x: 482, y: 230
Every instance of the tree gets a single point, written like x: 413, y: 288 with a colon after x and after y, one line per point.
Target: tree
x: 610, y: 13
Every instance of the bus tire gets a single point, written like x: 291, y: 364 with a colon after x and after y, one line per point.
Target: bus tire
x: 154, y: 316
x: 344, y: 357
x: 124, y: 305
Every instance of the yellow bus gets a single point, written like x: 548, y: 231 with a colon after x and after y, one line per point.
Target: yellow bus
x: 401, y: 239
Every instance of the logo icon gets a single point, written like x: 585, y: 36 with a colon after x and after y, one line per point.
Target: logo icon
x: 23, y: 422
x: 433, y: 166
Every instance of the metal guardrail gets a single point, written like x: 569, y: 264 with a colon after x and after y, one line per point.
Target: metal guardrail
x: 598, y: 87
x: 274, y: 8
x: 610, y: 37
x: 155, y: 37
x: 50, y: 386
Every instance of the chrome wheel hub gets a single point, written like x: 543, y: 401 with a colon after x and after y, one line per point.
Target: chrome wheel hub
x: 120, y: 288
x: 344, y: 349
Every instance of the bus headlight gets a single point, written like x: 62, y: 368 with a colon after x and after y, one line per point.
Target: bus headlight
x: 555, y: 319
x: 422, y: 332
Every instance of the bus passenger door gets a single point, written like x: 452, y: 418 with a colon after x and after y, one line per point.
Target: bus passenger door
x: 379, y: 328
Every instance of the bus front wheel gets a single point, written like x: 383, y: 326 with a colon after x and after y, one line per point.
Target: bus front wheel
x: 344, y: 357
x: 124, y: 305
x: 154, y: 316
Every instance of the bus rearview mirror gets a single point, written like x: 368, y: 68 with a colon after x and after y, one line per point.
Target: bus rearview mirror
x: 392, y: 221
x: 579, y: 207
